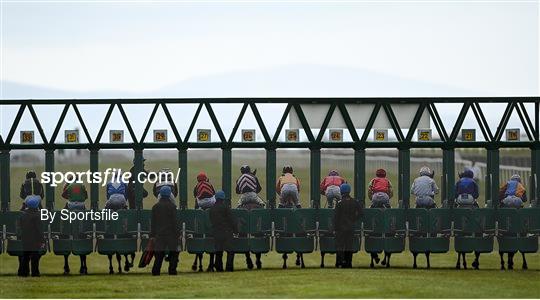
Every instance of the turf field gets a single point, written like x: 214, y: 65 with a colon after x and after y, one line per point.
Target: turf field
x: 400, y: 281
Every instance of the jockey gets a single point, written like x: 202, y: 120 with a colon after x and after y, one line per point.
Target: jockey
x: 467, y: 189
x: 116, y: 194
x: 165, y: 179
x: 380, y: 190
x: 288, y: 187
x: 31, y: 187
x: 75, y: 194
x: 348, y: 211
x: 425, y: 188
x: 330, y: 187
x: 131, y: 185
x: 248, y: 186
x: 204, y: 192
x: 513, y: 193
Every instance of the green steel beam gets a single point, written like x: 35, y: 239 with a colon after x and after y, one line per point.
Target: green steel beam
x: 16, y: 121
x: 327, y: 118
x: 49, y: 190
x: 138, y: 170
x: 38, y: 123
x: 260, y: 121
x: 482, y: 122
x: 304, y: 122
x: 404, y: 179
x: 504, y: 121
x: 416, y: 120
x: 59, y: 124
x: 5, y: 179
x: 104, y: 124
x: 282, y: 122
x: 215, y: 121
x: 271, y: 177
x: 226, y: 173
x: 535, y: 176
x: 193, y: 122
x: 492, y: 179
x: 448, y: 177
x: 171, y: 123
x: 150, y: 120
x: 439, y: 125
x: 348, y: 122
x: 315, y: 173
x: 360, y: 176
x: 83, y: 125
x: 238, y: 121
x: 461, y: 117
x: 371, y: 121
x: 128, y: 124
x: 94, y: 187
x: 183, y: 180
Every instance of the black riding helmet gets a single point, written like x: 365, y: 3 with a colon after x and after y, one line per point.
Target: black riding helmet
x: 287, y: 169
x: 31, y: 174
x: 245, y: 169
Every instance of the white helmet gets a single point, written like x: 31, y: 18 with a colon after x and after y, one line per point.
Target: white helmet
x: 425, y: 171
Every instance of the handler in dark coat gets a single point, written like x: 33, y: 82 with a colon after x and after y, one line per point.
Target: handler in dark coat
x: 347, y: 212
x: 223, y: 227
x: 32, y: 237
x: 165, y: 232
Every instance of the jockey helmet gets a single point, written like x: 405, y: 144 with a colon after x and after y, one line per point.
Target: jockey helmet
x: 516, y: 177
x: 245, y: 169
x: 31, y: 174
x: 380, y: 173
x: 333, y: 173
x: 345, y: 188
x: 33, y: 201
x: 165, y: 192
x: 220, y: 195
x: 202, y: 176
x: 287, y: 169
x: 425, y: 171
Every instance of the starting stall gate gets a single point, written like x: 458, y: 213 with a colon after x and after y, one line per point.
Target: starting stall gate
x: 314, y: 123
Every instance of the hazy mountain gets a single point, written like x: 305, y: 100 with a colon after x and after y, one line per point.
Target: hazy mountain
x: 285, y: 81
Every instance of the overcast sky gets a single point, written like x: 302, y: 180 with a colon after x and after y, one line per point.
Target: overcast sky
x: 139, y: 47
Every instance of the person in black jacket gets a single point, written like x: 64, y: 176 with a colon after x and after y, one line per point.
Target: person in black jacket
x: 165, y: 232
x: 347, y: 212
x: 31, y: 187
x: 223, y: 227
x: 32, y: 238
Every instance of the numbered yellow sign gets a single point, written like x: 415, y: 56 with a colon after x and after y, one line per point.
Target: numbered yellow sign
x: 116, y: 136
x: 248, y: 135
x: 512, y: 134
x: 380, y: 135
x: 292, y: 135
x: 336, y: 135
x: 468, y: 135
x: 71, y: 136
x: 424, y: 135
x: 203, y: 135
x: 160, y: 136
x: 27, y: 137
